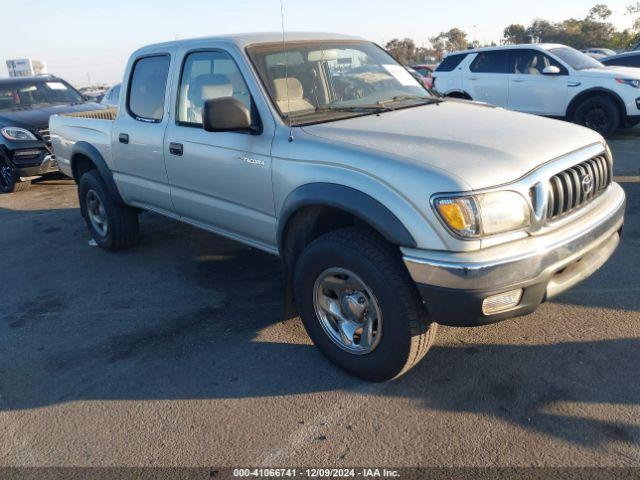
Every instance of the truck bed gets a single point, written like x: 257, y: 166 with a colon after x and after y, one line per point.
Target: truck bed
x: 92, y: 127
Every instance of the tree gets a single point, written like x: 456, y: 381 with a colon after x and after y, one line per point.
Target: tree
x: 403, y: 50
x: 634, y: 10
x: 454, y: 39
x: 541, y: 31
x: 599, y: 12
x: 515, y: 34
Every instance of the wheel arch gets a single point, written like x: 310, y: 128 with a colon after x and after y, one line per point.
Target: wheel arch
x: 353, y: 202
x: 594, y: 92
x: 84, y: 157
x: 318, y: 208
x: 458, y: 94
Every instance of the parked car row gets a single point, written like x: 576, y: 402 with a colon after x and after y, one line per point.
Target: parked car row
x: 393, y: 210
x: 26, y: 103
x: 626, y: 59
x: 545, y: 79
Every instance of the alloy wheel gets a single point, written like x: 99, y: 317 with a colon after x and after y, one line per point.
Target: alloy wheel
x: 6, y: 175
x: 348, y: 311
x: 596, y: 118
x: 97, y: 214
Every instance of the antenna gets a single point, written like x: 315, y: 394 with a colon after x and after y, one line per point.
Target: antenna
x: 286, y: 71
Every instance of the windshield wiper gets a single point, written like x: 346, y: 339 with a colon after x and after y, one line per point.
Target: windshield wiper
x: 403, y: 98
x: 352, y: 108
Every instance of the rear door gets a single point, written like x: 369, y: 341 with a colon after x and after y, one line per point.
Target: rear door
x: 530, y: 90
x: 486, y: 80
x: 220, y: 180
x: 138, y: 134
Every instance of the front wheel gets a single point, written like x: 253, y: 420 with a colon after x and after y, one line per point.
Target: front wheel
x: 598, y: 113
x: 359, y: 305
x: 9, y: 180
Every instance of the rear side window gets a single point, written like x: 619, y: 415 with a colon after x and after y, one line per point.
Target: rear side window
x: 490, y: 62
x: 451, y: 62
x: 630, y: 61
x: 147, y: 88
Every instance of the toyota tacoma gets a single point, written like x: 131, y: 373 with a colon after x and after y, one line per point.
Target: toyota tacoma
x: 393, y: 210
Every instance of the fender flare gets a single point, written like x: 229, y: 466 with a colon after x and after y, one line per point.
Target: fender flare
x: 92, y: 153
x: 575, y: 101
x: 353, y: 201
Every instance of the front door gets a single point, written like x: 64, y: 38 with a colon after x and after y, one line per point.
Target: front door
x: 219, y: 180
x: 530, y: 90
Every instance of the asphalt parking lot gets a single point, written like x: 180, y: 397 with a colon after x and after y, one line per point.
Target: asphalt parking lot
x: 177, y: 353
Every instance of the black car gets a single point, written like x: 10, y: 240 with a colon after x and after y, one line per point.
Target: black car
x: 25, y: 107
x: 627, y: 59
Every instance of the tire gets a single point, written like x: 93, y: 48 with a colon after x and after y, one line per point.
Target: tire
x: 404, y: 333
x: 9, y: 180
x: 631, y: 123
x: 119, y: 227
x: 599, y: 113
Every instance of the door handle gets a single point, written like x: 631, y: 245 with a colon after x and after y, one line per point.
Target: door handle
x: 473, y: 78
x: 123, y: 138
x: 175, y: 149
x: 517, y: 80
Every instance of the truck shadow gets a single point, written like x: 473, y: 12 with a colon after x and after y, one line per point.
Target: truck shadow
x: 188, y: 315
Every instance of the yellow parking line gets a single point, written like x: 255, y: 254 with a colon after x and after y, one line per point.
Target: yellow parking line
x: 627, y: 179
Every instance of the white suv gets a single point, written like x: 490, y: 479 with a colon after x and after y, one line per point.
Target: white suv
x: 545, y: 79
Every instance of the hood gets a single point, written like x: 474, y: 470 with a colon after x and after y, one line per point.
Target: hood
x: 484, y: 146
x: 39, y: 117
x: 609, y: 72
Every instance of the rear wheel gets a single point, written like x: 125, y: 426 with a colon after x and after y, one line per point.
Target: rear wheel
x: 9, y: 180
x: 359, y: 305
x: 598, y: 113
x: 112, y: 226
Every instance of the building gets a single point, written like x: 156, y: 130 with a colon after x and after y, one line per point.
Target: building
x: 26, y: 67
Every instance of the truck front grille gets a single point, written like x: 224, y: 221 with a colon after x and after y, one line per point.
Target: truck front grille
x: 577, y: 186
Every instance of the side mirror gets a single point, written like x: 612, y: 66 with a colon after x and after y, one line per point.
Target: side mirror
x: 551, y: 70
x: 225, y: 114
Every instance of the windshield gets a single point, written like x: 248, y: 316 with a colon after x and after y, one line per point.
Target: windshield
x: 323, y: 81
x: 26, y: 94
x: 576, y: 60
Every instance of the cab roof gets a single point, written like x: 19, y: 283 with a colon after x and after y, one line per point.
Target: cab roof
x: 242, y: 40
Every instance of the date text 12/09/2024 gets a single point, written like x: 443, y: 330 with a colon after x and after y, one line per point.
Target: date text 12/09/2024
x: 315, y: 473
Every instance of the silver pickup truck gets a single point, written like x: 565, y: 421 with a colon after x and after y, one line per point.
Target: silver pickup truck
x: 393, y: 210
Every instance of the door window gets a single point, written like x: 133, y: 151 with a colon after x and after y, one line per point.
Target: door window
x: 490, y: 62
x: 531, y: 62
x: 147, y: 88
x: 206, y: 76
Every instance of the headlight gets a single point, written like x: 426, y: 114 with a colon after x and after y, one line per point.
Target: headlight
x: 485, y: 214
x: 632, y: 82
x: 17, y: 134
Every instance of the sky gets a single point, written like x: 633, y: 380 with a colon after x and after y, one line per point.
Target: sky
x: 86, y: 40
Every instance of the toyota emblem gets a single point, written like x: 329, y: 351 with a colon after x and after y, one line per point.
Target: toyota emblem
x: 587, y: 184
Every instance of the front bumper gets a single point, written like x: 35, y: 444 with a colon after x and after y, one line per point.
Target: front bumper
x: 454, y: 285
x: 33, y: 162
